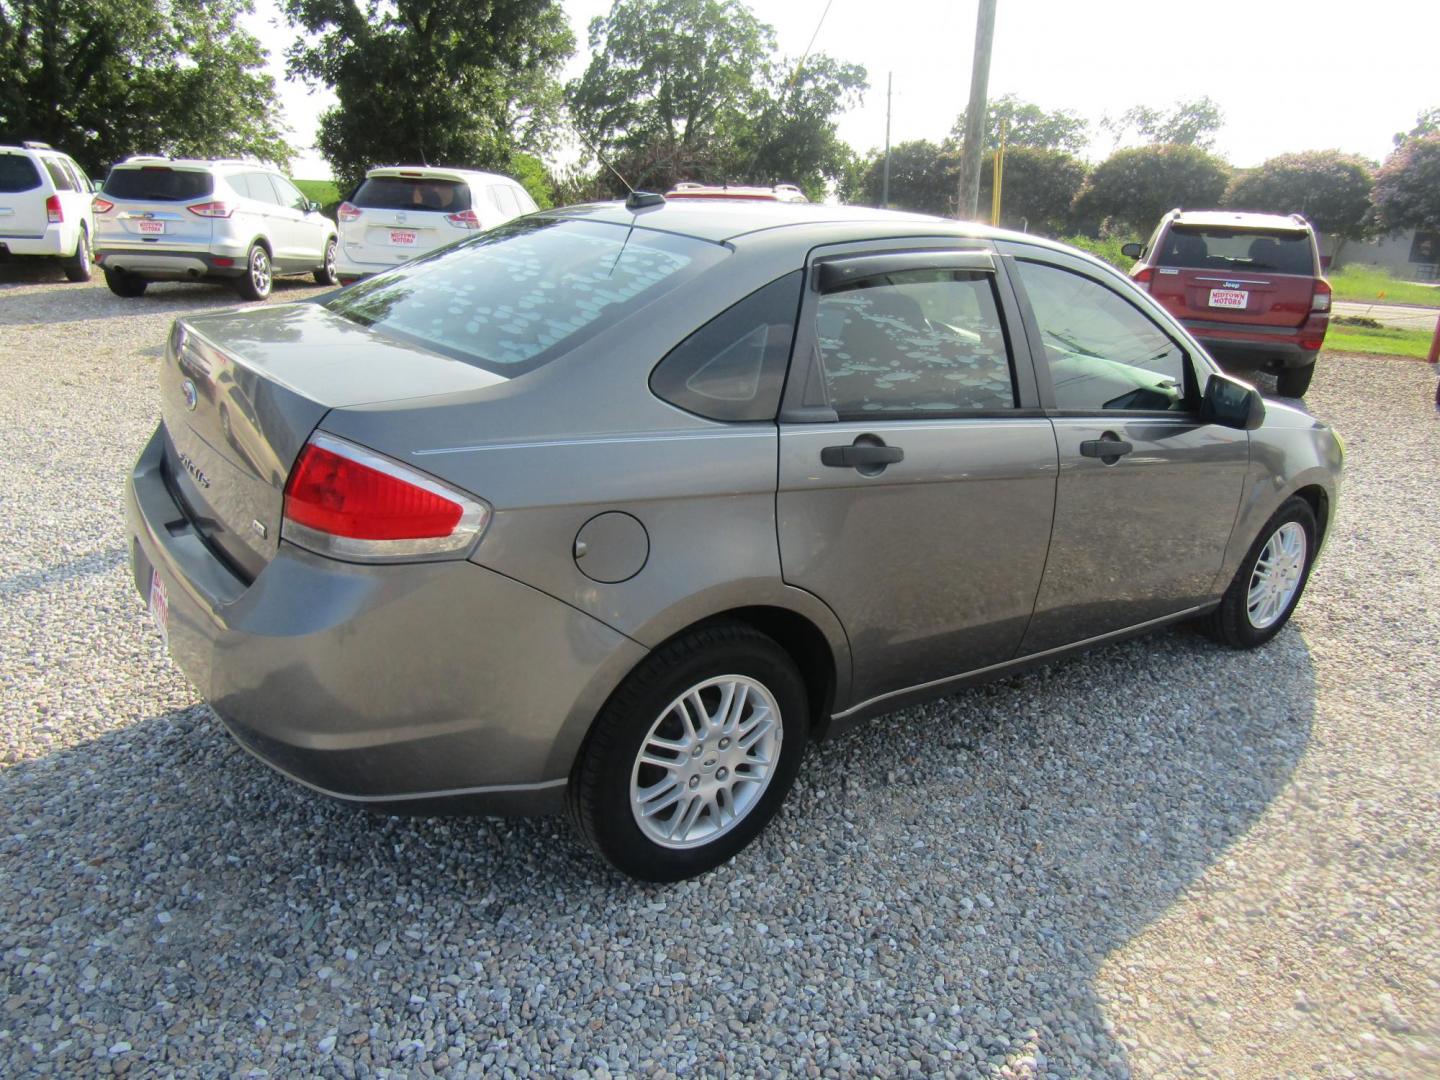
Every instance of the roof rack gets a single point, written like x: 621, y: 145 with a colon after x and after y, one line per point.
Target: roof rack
x: 32, y: 144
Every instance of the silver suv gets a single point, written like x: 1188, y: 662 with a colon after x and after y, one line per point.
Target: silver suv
x: 239, y: 222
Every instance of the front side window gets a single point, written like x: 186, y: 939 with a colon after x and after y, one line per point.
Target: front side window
x: 918, y: 343
x: 1103, y: 353
x: 288, y: 194
x: 520, y: 295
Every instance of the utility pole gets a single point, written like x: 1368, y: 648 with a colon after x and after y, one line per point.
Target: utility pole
x: 885, y: 190
x: 968, y: 206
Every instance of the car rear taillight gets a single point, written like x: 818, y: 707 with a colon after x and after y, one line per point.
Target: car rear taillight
x: 349, y: 503
x: 1142, y: 277
x: 466, y: 219
x: 53, y: 214
x: 212, y: 209
x: 347, y: 212
x: 1320, y: 298
x: 102, y: 206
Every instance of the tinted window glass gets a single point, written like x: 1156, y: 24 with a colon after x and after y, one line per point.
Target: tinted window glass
x: 733, y: 367
x: 1237, y: 250
x: 17, y: 173
x: 917, y: 342
x: 62, y: 180
x: 287, y: 193
x: 1102, y: 351
x: 403, y: 193
x: 516, y: 297
x: 82, y: 182
x: 158, y: 182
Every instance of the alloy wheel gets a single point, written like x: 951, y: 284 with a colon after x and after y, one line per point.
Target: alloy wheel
x: 260, y: 271
x: 1276, y: 577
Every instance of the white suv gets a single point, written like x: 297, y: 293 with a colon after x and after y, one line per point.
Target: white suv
x: 408, y: 210
x: 45, y: 207
x: 174, y: 219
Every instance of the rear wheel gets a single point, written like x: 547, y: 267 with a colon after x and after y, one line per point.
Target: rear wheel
x: 258, y: 278
x: 125, y: 284
x: 326, y: 275
x: 693, y: 755
x: 1270, y: 581
x: 1294, y: 381
x: 77, y: 266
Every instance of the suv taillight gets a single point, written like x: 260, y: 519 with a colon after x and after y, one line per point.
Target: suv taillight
x: 1320, y: 298
x: 102, y: 206
x: 1142, y: 277
x: 53, y: 214
x: 349, y: 503
x: 466, y: 219
x: 347, y: 212
x: 212, y: 209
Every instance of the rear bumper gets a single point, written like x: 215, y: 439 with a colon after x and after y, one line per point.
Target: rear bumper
x: 1239, y: 345
x: 172, y: 265
x: 397, y: 685
x: 355, y: 265
x: 53, y: 242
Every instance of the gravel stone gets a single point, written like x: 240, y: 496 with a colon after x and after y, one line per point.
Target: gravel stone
x: 1163, y: 859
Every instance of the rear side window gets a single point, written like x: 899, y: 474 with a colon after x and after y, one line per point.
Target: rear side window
x: 61, y: 178
x: 17, y: 173
x: 1237, y: 250
x: 919, y: 342
x: 405, y: 193
x: 733, y: 367
x: 518, y: 296
x: 159, y: 183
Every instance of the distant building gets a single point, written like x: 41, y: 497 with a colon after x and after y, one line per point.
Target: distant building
x: 1413, y: 254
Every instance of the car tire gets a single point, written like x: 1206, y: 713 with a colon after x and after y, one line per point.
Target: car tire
x: 643, y: 740
x: 259, y: 276
x: 125, y: 284
x: 326, y: 275
x: 78, y: 266
x: 1294, y: 381
x: 1259, y: 601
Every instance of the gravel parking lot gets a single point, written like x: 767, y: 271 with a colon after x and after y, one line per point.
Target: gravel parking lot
x: 1162, y: 859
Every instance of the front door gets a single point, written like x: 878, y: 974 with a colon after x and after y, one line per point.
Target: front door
x: 917, y: 477
x: 1148, y: 493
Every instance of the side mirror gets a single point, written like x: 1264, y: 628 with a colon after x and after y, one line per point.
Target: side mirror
x: 1232, y: 403
x: 1132, y: 251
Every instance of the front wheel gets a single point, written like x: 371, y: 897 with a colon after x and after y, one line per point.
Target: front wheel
x: 693, y: 755
x: 326, y: 275
x: 77, y: 267
x: 1294, y: 381
x: 1270, y: 581
x: 258, y: 278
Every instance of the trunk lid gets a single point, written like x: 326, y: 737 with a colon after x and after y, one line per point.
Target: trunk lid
x: 241, y: 391
x: 1241, y: 276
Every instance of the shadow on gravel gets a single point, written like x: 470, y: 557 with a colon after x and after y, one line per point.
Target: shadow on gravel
x: 942, y: 889
x: 98, y: 562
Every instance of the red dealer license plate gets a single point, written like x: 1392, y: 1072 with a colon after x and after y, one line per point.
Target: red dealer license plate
x: 1229, y: 298
x: 152, y: 226
x: 402, y: 237
x: 159, y: 606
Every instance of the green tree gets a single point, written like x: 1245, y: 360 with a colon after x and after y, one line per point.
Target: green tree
x: 1133, y: 188
x: 1330, y: 188
x: 693, y: 90
x: 923, y: 177
x: 1037, y: 189
x: 1186, y: 123
x: 432, y: 81
x: 1427, y: 122
x: 1027, y: 124
x: 106, y: 80
x: 1407, y: 187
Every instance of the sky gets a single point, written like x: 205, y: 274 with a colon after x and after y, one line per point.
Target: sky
x: 1289, y: 76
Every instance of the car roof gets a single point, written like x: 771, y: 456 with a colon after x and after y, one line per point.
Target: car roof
x: 438, y: 172
x: 1241, y: 219
x: 140, y: 161
x: 722, y: 220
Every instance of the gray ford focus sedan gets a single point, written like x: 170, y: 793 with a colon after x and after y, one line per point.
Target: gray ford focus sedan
x: 617, y: 507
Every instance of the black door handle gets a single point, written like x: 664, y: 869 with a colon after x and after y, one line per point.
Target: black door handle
x: 858, y: 456
x: 1108, y: 449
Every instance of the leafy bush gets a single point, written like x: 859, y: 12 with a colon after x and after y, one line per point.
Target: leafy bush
x: 1407, y: 187
x: 1331, y: 189
x: 1106, y: 248
x: 1134, y: 187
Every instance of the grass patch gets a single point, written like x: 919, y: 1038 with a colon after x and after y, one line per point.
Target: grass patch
x: 1371, y: 285
x: 1107, y: 249
x: 1385, y: 341
x: 322, y: 191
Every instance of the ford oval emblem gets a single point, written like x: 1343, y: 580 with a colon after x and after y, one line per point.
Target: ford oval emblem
x: 191, y: 397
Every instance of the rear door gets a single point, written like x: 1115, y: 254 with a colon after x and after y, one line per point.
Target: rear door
x: 23, y: 191
x: 917, y: 475
x: 1141, y: 531
x: 1235, y: 276
x: 151, y: 208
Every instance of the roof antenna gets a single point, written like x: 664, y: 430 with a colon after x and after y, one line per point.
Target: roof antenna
x: 636, y: 200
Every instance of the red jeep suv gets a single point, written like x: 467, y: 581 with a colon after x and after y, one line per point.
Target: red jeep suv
x: 1247, y: 285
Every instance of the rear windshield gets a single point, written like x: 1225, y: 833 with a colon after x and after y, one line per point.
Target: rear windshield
x: 1237, y: 249
x: 516, y: 297
x: 403, y: 193
x: 158, y: 182
x: 17, y: 173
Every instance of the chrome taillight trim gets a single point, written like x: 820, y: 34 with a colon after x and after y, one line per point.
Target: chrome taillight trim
x: 474, y: 517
